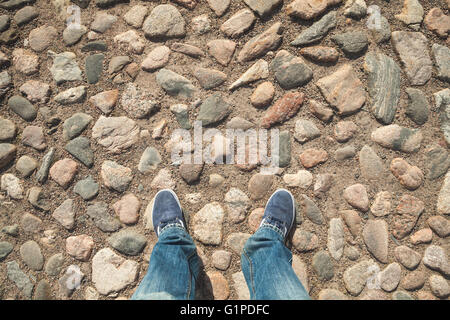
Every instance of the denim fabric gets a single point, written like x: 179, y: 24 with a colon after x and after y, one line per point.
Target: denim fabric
x: 173, y: 269
x: 267, y: 267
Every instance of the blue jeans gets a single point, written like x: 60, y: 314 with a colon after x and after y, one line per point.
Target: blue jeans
x: 266, y: 264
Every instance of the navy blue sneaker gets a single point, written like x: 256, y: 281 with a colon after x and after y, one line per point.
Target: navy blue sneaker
x: 280, y: 212
x: 167, y: 211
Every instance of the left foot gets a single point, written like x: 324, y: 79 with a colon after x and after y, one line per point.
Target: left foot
x: 167, y: 211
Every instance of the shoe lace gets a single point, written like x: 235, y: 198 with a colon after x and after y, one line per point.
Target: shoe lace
x: 165, y: 223
x: 281, y: 225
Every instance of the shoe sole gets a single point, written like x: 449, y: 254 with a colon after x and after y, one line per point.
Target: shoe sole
x: 293, y: 207
x: 176, y: 198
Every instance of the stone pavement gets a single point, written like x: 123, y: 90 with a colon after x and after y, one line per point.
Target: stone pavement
x: 92, y: 94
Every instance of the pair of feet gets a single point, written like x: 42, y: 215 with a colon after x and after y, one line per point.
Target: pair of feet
x: 279, y: 211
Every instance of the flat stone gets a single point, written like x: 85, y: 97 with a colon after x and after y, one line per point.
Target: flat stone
x: 5, y: 249
x: 263, y: 8
x: 64, y: 67
x: 408, y: 212
x: 353, y: 222
x: 384, y: 86
x: 259, y: 70
x: 136, y: 102
x: 63, y: 172
x: 149, y: 160
x: 221, y: 259
x: 65, y: 214
x: 80, y: 148
x: 70, y: 281
x: 442, y: 100
x: 26, y: 165
x: 22, y: 107
x: 352, y: 42
x: 219, y: 6
x: 38, y: 199
x: 157, y: 58
x: 371, y: 165
x: 323, y: 265
x: 80, y: 247
x: 42, y: 37
x: 75, y: 125
x: 31, y: 223
x: 20, y: 279
x: 54, y: 264
x: 259, y: 185
x: 302, y: 179
x: 130, y: 41
x: 312, y: 157
x: 331, y: 294
x: 43, y: 291
x: 11, y: 184
x: 73, y: 33
x: 305, y: 241
x: 290, y: 71
x: 390, y: 277
x: 102, y: 22
x: 7, y: 154
x: 378, y: 25
x: 401, y: 295
x: 355, y: 9
x: 127, y: 209
x: 222, y: 50
x: 213, y: 109
x: 413, y: 280
x: 97, y: 45
x: 412, y: 48
x: 94, y: 67
x: 412, y: 14
x: 25, y: 61
x: 319, y: 110
x: 181, y: 112
x: 356, y: 276
x: 71, y: 96
x: 317, y: 30
x: 376, y: 237
x: 116, y: 176
x: 411, y: 177
x: 128, y: 242
x: 345, y: 153
x: 105, y: 101
x: 409, y: 258
x: 336, y: 238
x: 207, y: 224
x: 35, y: 91
x: 136, y: 15
x: 238, y: 23
x: 398, y: 138
x: 418, y: 108
x: 320, y: 54
x: 209, y: 78
x: 163, y: 180
x: 112, y: 273
x: 439, y: 286
x: 422, y: 236
x: 263, y: 95
x: 175, y: 84
x: 191, y: 172
x: 343, y: 90
x: 436, y: 258
x: 187, y: 49
x: 201, y: 24
x: 31, y: 255
x: 283, y: 109
x: 117, y: 134
x: 237, y: 204
x: 443, y: 202
x: 438, y: 22
x: 323, y: 184
x: 164, y: 21
x: 439, y: 225
x: 117, y: 63
x: 382, y: 205
x: 98, y: 212
x: 442, y: 57
x: 259, y: 45
x: 356, y: 196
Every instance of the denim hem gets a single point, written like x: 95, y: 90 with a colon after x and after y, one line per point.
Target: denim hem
x: 170, y: 226
x: 271, y: 226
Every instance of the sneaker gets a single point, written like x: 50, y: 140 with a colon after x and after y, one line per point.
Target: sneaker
x: 280, y: 211
x: 167, y: 211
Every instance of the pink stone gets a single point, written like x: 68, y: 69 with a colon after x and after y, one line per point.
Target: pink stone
x: 63, y: 172
x: 80, y: 247
x: 127, y: 208
x: 312, y: 157
x: 356, y: 196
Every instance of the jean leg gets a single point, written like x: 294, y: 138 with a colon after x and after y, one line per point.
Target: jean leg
x: 267, y: 267
x: 173, y: 268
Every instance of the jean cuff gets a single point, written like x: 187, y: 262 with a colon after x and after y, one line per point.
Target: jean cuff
x: 271, y: 226
x: 171, y: 226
